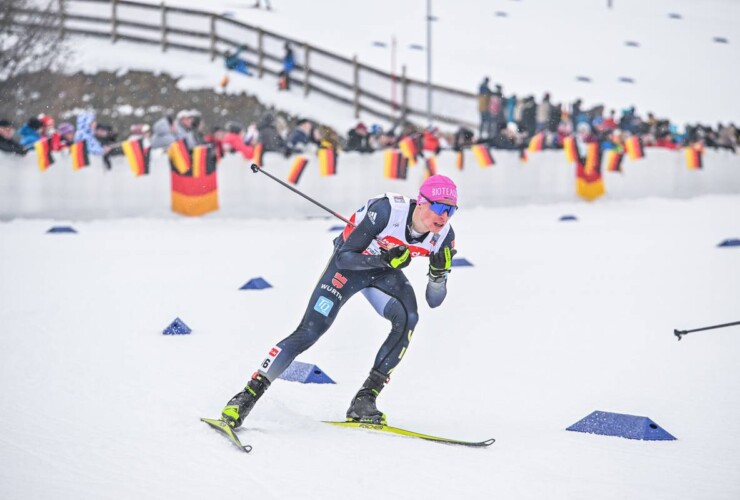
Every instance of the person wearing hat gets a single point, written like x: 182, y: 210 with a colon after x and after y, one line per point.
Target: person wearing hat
x: 382, y: 238
x: 30, y: 133
x: 66, y: 133
x: 7, y: 142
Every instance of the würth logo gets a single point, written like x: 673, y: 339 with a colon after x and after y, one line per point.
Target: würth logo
x: 338, y: 281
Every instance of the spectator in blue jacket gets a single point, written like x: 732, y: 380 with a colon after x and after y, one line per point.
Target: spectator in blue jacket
x: 300, y: 138
x: 234, y: 62
x: 31, y: 132
x: 288, y: 67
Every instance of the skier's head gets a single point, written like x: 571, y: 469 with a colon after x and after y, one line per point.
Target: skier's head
x: 436, y: 203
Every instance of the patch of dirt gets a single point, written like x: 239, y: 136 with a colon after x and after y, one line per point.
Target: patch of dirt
x: 120, y: 100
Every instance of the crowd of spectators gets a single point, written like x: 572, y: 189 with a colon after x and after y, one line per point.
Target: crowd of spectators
x: 509, y: 122
x: 506, y: 123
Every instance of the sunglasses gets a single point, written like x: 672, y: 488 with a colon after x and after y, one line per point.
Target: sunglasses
x: 439, y: 208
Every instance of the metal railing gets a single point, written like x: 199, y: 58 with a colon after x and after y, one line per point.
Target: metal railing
x: 336, y: 77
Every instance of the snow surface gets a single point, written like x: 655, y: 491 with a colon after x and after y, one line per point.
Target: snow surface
x: 555, y: 320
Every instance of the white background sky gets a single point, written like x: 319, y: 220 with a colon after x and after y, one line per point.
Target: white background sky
x: 555, y: 320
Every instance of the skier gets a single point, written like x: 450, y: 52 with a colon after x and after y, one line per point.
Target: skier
x: 407, y: 228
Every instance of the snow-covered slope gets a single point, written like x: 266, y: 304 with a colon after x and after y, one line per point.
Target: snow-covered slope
x: 555, y: 320
x: 679, y: 71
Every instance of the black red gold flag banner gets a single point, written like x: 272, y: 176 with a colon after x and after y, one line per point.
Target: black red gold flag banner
x: 78, y: 152
x: 571, y: 150
x: 327, y: 161
x: 43, y: 153
x: 137, y: 156
x: 409, y: 150
x: 396, y: 165
x: 459, y: 160
x: 537, y: 142
x: 483, y: 155
x: 694, y: 155
x: 431, y: 166
x: 633, y: 145
x: 179, y: 157
x: 257, y: 155
x: 297, y: 169
x: 613, y: 159
x: 589, y: 184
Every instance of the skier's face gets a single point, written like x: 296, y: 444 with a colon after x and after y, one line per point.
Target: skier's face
x: 432, y: 221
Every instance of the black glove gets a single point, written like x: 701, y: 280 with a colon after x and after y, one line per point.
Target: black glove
x: 397, y: 257
x: 440, y: 263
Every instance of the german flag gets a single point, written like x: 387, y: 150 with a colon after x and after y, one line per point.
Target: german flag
x: 694, y: 153
x: 258, y: 153
x: 179, y: 157
x: 523, y: 156
x: 327, y: 161
x: 196, y: 191
x: 409, y: 149
x: 396, y: 165
x: 200, y: 161
x: 43, y: 153
x: 571, y: 150
x: 78, y: 152
x: 633, y: 145
x: 483, y: 155
x: 593, y: 157
x: 614, y: 160
x: 459, y: 160
x: 537, y: 142
x: 431, y: 166
x: 137, y: 156
x: 296, y: 169
x: 589, y: 184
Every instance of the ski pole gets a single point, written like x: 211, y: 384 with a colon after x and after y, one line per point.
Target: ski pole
x: 680, y: 333
x: 256, y: 168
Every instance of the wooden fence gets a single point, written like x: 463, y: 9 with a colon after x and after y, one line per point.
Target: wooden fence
x: 336, y: 77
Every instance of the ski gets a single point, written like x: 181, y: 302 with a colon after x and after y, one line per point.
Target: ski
x: 227, y: 431
x: 403, y: 432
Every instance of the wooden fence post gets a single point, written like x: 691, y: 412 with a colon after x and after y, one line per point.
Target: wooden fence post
x: 62, y: 18
x: 213, y: 36
x: 114, y: 21
x: 307, y: 68
x: 163, y: 25
x: 260, y: 53
x: 404, y: 94
x: 356, y: 85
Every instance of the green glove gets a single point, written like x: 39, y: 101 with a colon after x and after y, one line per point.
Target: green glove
x: 440, y: 264
x: 397, y: 257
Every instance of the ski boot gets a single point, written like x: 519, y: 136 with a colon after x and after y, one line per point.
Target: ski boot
x: 362, y: 408
x: 240, y: 405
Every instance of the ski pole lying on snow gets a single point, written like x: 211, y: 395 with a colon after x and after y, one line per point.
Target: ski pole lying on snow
x: 680, y: 333
x: 256, y: 168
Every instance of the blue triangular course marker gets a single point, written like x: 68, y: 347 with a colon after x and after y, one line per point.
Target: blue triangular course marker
x: 461, y: 263
x: 564, y: 218
x: 336, y: 228
x: 621, y: 425
x: 305, y: 373
x: 177, y: 327
x: 61, y: 229
x: 731, y: 242
x: 255, y: 284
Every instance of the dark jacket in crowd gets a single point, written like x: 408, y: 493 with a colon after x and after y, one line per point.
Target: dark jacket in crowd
x: 11, y: 146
